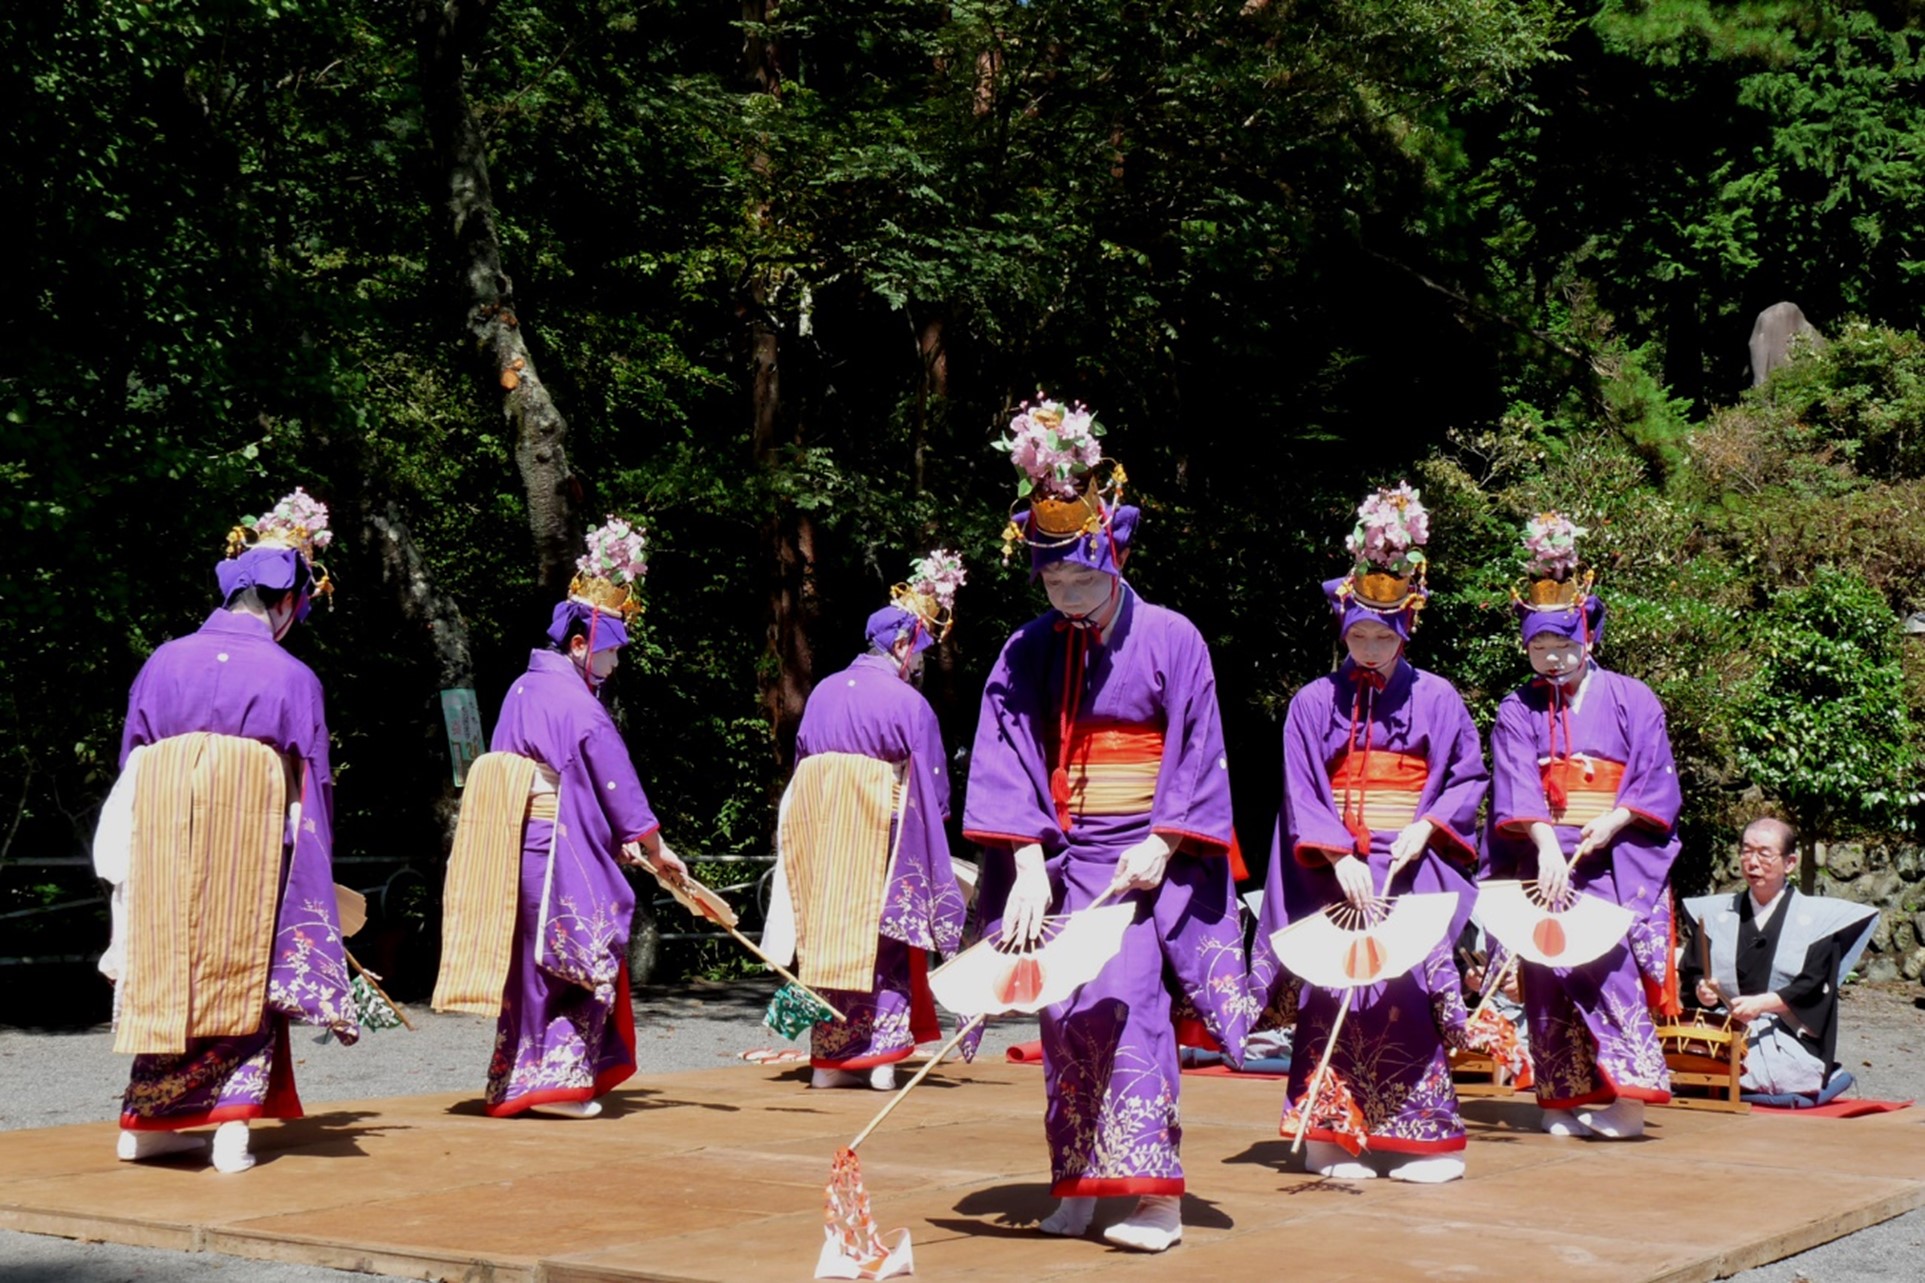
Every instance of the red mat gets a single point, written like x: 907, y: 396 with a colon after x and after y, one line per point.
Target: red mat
x: 1031, y: 1053
x: 1837, y: 1109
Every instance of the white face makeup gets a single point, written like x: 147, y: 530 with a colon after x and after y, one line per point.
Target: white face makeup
x: 1076, y: 591
x: 1555, y: 656
x: 1373, y: 645
x: 596, y: 667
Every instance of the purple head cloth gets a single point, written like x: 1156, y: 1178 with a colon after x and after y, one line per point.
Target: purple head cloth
x: 1350, y: 612
x: 1093, y: 550
x: 609, y: 633
x: 268, y: 567
x: 1580, y: 625
x: 891, y: 624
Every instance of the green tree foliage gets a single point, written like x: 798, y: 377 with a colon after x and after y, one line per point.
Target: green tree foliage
x: 786, y: 268
x: 1824, y: 719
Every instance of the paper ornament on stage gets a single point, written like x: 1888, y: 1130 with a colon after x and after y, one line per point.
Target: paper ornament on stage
x: 852, y: 1246
x: 1581, y: 931
x: 1345, y: 948
x: 990, y: 978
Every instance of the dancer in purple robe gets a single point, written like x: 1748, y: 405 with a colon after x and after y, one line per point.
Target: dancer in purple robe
x: 232, y: 678
x: 1585, y: 796
x: 873, y: 709
x: 1383, y: 775
x: 1099, y: 761
x: 566, y: 1033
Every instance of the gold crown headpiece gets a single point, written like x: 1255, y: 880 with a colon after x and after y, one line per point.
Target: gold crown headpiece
x: 606, y: 596
x: 1558, y: 580
x: 1055, y: 522
x: 298, y: 522
x: 609, y: 575
x: 936, y: 618
x: 1384, y: 592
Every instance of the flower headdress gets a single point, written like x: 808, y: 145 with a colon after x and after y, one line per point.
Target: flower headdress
x: 1387, y: 550
x: 1058, y: 453
x: 1551, y: 560
x: 930, y: 594
x: 298, y: 523
x: 609, y: 575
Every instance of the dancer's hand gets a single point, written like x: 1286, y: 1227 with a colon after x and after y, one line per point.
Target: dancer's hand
x: 1597, y: 835
x: 1353, y: 876
x: 1553, y: 876
x: 1141, y: 868
x: 1028, y: 901
x: 1409, y: 845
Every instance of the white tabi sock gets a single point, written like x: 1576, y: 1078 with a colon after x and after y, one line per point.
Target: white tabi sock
x: 1327, y: 1159
x: 1429, y: 1171
x: 230, y: 1148
x: 132, y: 1147
x: 883, y: 1078
x: 1155, y: 1225
x: 1562, y: 1122
x: 1071, y: 1218
x: 568, y: 1108
x: 1622, y: 1119
x: 824, y: 1078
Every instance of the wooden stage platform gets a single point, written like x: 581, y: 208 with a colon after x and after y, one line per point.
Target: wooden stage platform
x: 718, y: 1175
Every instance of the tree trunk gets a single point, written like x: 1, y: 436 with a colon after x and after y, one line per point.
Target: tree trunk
x: 434, y: 613
x: 448, y: 33
x: 788, y: 535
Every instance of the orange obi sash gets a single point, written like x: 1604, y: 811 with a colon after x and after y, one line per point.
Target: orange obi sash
x: 1381, y: 787
x: 1113, y: 767
x: 1580, y: 789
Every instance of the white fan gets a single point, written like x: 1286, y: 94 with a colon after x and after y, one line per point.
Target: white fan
x: 1565, y: 936
x: 990, y: 978
x: 1344, y: 947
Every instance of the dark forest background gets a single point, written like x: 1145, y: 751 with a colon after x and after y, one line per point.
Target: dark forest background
x: 774, y: 275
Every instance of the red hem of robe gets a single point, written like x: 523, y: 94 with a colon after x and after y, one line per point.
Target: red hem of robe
x: 1439, y: 829
x: 862, y: 1062
x: 1649, y: 820
x: 1115, y: 1186
x: 981, y: 838
x: 1330, y: 854
x: 283, y: 1101
x: 606, y: 1081
x: 1387, y: 1144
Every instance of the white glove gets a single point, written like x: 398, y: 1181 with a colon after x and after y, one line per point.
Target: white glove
x: 1353, y: 875
x: 1141, y: 867
x: 1553, y: 872
x: 1598, y: 833
x: 1028, y: 901
x: 1409, y: 845
x: 661, y: 857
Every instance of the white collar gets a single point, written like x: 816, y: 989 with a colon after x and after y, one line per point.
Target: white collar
x: 1762, y: 913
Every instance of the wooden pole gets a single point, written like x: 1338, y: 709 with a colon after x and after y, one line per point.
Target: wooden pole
x: 374, y: 982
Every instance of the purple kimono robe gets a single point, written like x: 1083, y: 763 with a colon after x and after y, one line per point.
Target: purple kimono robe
x: 232, y: 678
x: 566, y: 1030
x: 1109, y: 1052
x: 1591, y: 1033
x: 1391, y: 1052
x: 867, y: 709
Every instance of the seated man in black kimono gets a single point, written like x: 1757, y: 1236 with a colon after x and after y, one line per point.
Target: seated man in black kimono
x: 1773, y: 958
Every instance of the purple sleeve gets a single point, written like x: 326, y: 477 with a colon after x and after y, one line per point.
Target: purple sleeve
x: 1008, y: 803
x: 136, y: 732
x: 1517, y: 784
x: 1650, y: 786
x: 1458, y: 755
x: 1193, y: 784
x: 926, y: 755
x: 617, y: 788
x: 1313, y: 831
